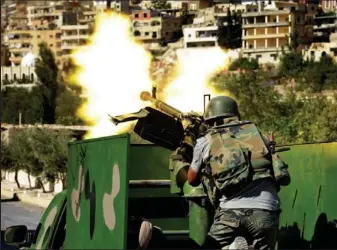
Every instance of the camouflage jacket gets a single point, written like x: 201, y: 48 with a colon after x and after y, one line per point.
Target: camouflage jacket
x: 238, y: 155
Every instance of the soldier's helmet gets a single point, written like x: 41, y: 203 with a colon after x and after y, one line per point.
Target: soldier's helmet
x: 221, y: 107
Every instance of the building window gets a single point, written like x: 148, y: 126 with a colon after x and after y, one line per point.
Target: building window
x: 38, y: 36
x: 274, y: 56
x: 323, y: 53
x: 14, y: 77
x: 145, y: 15
x: 23, y: 76
x: 154, y: 35
x: 155, y: 23
x: 51, y: 36
x: 32, y: 76
x: 136, y: 15
x: 189, y: 35
x: 257, y: 57
x: 136, y: 24
x: 6, y: 77
x: 136, y: 33
x: 146, y: 33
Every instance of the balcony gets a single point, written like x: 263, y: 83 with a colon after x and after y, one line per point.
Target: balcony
x: 265, y: 13
x: 259, y: 50
x: 69, y: 46
x: 271, y: 24
x: 19, y: 50
x: 262, y: 36
x: 75, y: 27
x: 74, y: 37
x: 17, y: 59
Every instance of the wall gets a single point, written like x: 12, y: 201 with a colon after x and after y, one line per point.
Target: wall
x: 23, y: 179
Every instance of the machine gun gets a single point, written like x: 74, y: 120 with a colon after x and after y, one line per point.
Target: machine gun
x: 164, y: 125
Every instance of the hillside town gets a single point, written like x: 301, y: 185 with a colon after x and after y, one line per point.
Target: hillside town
x: 259, y: 29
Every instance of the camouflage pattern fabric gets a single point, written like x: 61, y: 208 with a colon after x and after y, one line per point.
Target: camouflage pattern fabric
x: 238, y: 155
x: 259, y: 227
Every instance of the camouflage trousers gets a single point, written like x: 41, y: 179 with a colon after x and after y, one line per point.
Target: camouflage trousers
x: 259, y: 227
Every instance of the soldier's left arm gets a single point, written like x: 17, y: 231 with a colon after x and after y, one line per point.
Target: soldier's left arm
x: 280, y: 168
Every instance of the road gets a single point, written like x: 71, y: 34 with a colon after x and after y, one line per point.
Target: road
x: 18, y: 213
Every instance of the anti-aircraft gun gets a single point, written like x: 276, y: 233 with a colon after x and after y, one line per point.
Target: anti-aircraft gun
x: 170, y: 128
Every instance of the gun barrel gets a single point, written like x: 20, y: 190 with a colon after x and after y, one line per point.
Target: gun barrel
x: 146, y: 96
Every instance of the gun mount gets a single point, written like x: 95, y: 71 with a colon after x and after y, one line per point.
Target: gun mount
x: 163, y: 125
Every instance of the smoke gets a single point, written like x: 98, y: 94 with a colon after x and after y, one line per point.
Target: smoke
x: 28, y: 60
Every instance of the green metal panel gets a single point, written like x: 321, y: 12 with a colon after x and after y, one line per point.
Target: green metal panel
x: 309, y: 203
x: 165, y: 210
x: 148, y: 162
x: 97, y: 182
x: 48, y: 221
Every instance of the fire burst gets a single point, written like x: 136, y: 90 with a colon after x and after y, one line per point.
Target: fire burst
x: 113, y: 69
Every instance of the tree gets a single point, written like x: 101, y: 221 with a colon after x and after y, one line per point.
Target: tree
x: 5, y: 156
x: 295, y: 118
x: 23, y: 157
x: 41, y: 153
x: 291, y: 64
x: 20, y: 100
x: 294, y: 41
x: 244, y: 63
x: 68, y: 102
x: 229, y: 35
x: 160, y: 4
x: 47, y: 73
x: 50, y: 148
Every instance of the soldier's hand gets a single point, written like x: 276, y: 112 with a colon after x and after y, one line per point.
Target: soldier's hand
x: 183, y: 153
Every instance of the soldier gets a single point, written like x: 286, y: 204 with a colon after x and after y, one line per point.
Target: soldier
x: 243, y: 176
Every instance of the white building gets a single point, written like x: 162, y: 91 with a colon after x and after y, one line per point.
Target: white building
x: 317, y: 50
x: 199, y: 35
x: 18, y: 76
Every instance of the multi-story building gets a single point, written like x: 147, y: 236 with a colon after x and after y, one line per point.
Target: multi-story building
x: 72, y: 37
x: 154, y: 27
x: 117, y: 5
x: 200, y: 35
x: 179, y: 4
x: 45, y: 15
x: 17, y: 15
x: 328, y: 5
x: 22, y: 42
x: 324, y: 26
x: 87, y: 17
x: 265, y: 32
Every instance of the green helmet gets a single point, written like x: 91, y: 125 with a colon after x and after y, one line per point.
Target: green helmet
x: 221, y: 107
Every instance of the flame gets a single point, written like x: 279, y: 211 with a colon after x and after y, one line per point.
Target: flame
x: 112, y: 70
x: 194, y: 71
